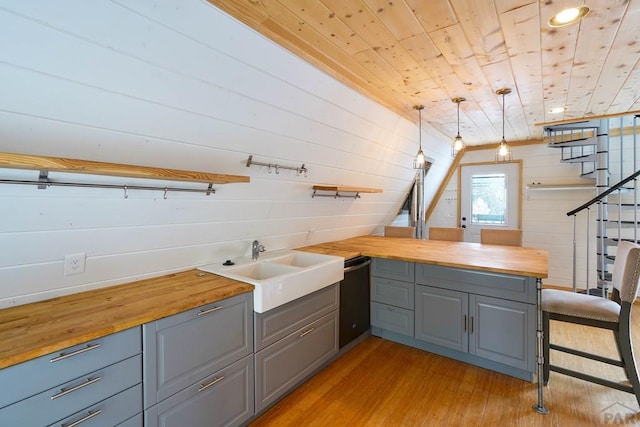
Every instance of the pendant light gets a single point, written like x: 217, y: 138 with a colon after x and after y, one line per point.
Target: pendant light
x: 420, y: 159
x: 458, y: 144
x: 503, y: 154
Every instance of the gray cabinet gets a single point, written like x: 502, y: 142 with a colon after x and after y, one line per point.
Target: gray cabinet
x: 497, y: 329
x: 197, y: 363
x: 96, y: 383
x: 392, y: 296
x: 478, y: 317
x: 293, y: 341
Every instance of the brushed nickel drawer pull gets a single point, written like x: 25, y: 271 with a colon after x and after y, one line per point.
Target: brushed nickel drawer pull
x: 211, y: 310
x: 64, y: 392
x: 63, y: 356
x: 307, y: 332
x: 215, y: 381
x: 83, y: 419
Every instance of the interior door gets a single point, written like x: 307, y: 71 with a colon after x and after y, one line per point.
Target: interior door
x: 490, y: 197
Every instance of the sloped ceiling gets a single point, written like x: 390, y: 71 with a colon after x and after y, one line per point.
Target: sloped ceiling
x: 407, y: 52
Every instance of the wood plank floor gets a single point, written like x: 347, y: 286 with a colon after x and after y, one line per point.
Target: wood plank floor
x: 381, y: 383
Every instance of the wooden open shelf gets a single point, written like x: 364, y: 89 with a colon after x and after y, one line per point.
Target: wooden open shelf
x: 560, y: 187
x: 59, y: 164
x: 567, y: 186
x: 337, y: 189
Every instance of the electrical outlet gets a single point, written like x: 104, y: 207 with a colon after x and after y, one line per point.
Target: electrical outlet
x: 74, y: 264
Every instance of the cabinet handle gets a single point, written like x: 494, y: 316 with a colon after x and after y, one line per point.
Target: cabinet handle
x: 210, y: 310
x: 87, y: 417
x: 471, y: 324
x: 215, y: 381
x: 465, y: 323
x: 63, y: 356
x: 307, y: 332
x: 64, y: 392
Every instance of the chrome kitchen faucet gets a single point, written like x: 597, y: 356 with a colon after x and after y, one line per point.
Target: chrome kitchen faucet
x: 256, y: 248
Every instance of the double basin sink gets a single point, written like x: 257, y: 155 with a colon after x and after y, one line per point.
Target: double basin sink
x: 282, y: 276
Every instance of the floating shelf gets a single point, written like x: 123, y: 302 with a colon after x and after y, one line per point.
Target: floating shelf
x: 560, y: 187
x: 575, y: 186
x: 336, y: 191
x: 59, y: 164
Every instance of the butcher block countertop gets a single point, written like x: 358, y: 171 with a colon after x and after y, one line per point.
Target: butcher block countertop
x: 32, y: 330
x: 516, y: 260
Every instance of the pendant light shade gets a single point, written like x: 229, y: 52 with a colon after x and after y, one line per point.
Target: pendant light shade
x: 503, y: 154
x: 420, y: 159
x: 458, y: 144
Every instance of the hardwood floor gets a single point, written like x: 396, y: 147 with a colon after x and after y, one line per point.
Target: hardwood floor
x: 381, y: 383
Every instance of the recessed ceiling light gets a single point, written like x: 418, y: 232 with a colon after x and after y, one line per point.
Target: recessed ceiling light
x: 557, y: 110
x: 568, y: 16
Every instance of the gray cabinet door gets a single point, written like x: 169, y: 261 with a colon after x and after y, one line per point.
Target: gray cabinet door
x: 393, y: 269
x: 222, y: 399
x: 182, y: 349
x: 503, y: 331
x: 441, y: 317
x: 283, y: 365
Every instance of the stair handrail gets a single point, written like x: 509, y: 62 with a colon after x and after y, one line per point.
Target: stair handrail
x: 604, y: 194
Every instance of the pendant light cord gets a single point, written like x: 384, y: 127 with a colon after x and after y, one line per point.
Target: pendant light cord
x: 503, y: 94
x: 459, y: 118
x: 420, y: 126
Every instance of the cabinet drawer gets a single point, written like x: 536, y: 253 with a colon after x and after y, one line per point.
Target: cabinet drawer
x: 109, y: 412
x: 182, y: 349
x: 45, y: 372
x: 392, y: 292
x: 392, y: 318
x: 393, y: 269
x: 222, y: 399
x: 281, y: 366
x: 281, y: 321
x: 515, y: 288
x: 74, y: 396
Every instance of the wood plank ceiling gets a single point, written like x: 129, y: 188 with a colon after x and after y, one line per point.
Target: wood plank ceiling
x: 406, y: 52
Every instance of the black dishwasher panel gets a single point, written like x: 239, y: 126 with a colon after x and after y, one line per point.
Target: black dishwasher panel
x: 354, y: 300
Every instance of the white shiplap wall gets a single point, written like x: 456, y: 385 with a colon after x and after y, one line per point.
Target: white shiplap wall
x: 179, y: 84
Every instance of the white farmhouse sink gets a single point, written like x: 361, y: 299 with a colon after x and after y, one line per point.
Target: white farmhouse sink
x: 282, y: 276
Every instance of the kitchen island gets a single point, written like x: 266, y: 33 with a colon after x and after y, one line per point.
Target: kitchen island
x: 471, y: 302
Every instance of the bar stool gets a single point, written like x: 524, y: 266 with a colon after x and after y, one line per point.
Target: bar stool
x: 598, y: 312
